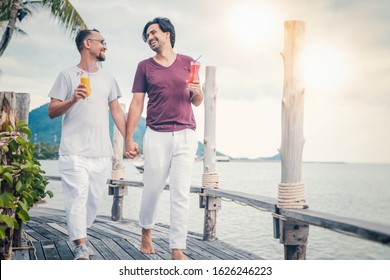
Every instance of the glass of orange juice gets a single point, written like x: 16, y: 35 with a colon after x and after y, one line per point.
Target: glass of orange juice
x: 84, y: 79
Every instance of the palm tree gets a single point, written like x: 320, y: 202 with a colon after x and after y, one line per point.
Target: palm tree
x: 12, y: 11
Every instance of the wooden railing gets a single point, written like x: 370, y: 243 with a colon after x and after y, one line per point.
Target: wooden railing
x: 376, y: 232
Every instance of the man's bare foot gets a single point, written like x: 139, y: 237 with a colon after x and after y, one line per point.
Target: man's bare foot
x: 146, y: 242
x: 178, y: 254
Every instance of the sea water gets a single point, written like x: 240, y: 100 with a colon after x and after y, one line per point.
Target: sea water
x: 354, y: 190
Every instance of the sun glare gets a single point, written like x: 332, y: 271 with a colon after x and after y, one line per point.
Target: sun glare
x: 326, y: 68
x: 252, y: 25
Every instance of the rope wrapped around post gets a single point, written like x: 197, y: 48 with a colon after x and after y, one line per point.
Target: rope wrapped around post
x: 210, y: 180
x: 292, y: 196
x: 118, y: 174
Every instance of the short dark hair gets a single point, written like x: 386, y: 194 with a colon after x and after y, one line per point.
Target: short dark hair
x: 165, y: 25
x: 81, y: 37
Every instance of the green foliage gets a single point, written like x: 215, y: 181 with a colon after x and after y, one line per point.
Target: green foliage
x: 46, y: 151
x: 21, y: 179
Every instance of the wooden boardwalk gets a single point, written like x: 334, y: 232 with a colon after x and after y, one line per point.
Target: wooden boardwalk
x: 45, y: 238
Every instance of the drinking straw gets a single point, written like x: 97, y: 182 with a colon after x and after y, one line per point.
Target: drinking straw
x: 198, y: 58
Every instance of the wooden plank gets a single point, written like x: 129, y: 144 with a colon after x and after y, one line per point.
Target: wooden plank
x: 96, y: 254
x: 125, y: 182
x: 50, y: 250
x: 239, y: 253
x: 132, y: 238
x: 118, y: 250
x: 162, y: 248
x: 45, y: 231
x: 37, y: 254
x: 217, y: 246
x: 54, y: 231
x: 30, y: 232
x: 33, y: 234
x: 191, y: 251
x: 22, y: 253
x: 263, y: 202
x: 138, y: 184
x: 61, y: 230
x: 369, y: 230
x: 214, y: 248
x: 164, y: 230
x: 53, y: 178
x: 160, y: 254
x: 117, y: 232
x: 204, y: 253
x: 104, y: 250
x: 64, y: 249
x: 100, y: 233
x: 59, y: 219
x: 135, y: 241
x: 128, y: 247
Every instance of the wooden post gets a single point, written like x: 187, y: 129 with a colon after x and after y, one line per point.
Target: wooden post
x: 14, y: 108
x: 118, y: 191
x: 291, y: 189
x: 8, y: 110
x: 210, y: 177
x: 22, y: 106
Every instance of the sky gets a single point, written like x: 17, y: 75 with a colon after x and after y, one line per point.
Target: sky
x: 346, y: 77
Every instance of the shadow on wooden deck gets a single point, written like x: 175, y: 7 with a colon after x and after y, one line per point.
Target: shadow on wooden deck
x: 46, y: 238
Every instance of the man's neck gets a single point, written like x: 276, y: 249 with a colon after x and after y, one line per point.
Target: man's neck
x: 88, y: 65
x: 165, y: 58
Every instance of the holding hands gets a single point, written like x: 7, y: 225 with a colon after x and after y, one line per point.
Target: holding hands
x: 132, y: 149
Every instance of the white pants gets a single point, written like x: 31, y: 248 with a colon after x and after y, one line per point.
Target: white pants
x: 168, y: 154
x: 84, y: 181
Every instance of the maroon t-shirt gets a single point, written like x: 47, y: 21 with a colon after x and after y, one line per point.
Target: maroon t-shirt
x: 169, y: 106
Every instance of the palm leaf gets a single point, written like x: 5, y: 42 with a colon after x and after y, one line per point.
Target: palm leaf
x: 64, y: 12
x: 5, y: 12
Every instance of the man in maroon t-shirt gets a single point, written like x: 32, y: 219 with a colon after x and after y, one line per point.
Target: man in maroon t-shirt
x: 170, y: 142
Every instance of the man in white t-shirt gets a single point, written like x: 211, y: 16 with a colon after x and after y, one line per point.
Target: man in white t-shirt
x: 85, y: 150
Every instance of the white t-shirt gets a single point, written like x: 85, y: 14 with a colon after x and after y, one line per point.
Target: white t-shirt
x: 85, y: 127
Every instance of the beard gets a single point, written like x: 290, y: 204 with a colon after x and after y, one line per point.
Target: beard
x: 101, y: 58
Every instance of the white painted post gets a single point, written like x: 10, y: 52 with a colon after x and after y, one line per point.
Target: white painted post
x: 291, y: 189
x: 210, y: 177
